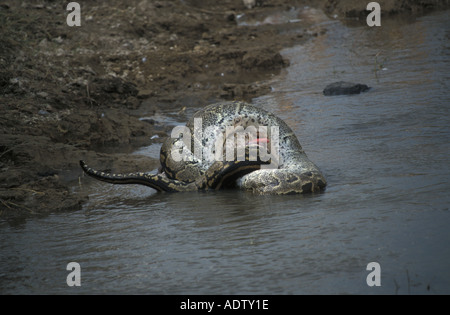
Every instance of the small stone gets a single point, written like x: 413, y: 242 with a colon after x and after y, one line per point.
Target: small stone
x: 344, y: 88
x: 43, y: 112
x: 144, y: 93
x: 58, y: 40
x: 43, y: 43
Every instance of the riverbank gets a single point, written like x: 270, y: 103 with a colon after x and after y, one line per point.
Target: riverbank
x: 70, y: 92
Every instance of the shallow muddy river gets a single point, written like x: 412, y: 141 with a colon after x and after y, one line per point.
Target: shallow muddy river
x: 383, y: 152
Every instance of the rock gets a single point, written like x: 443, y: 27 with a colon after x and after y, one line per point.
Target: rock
x: 146, y: 93
x: 249, y: 3
x: 42, y: 94
x: 43, y: 112
x: 344, y: 88
x: 267, y: 59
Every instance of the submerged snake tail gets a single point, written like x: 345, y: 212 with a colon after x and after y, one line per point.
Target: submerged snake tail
x: 153, y: 181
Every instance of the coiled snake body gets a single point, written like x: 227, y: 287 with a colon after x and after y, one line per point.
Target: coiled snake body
x: 207, y: 168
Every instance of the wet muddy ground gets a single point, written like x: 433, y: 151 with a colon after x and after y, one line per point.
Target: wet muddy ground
x: 67, y: 93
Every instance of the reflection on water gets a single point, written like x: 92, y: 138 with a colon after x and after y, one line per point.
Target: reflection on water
x: 385, y: 156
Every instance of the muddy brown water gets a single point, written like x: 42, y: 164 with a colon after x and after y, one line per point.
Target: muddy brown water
x: 385, y: 156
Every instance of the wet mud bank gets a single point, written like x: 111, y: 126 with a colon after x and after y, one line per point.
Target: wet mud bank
x: 71, y: 93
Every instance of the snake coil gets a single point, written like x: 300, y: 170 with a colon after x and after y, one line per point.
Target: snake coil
x: 294, y: 172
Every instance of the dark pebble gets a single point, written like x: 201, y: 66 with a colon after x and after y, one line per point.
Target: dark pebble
x: 344, y: 88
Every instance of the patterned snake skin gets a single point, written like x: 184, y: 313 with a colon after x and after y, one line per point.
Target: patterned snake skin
x: 202, y: 166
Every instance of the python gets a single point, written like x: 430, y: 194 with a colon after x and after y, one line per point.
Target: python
x: 294, y: 173
x: 236, y: 140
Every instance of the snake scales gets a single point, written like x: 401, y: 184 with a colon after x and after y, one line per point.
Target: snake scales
x: 291, y: 171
